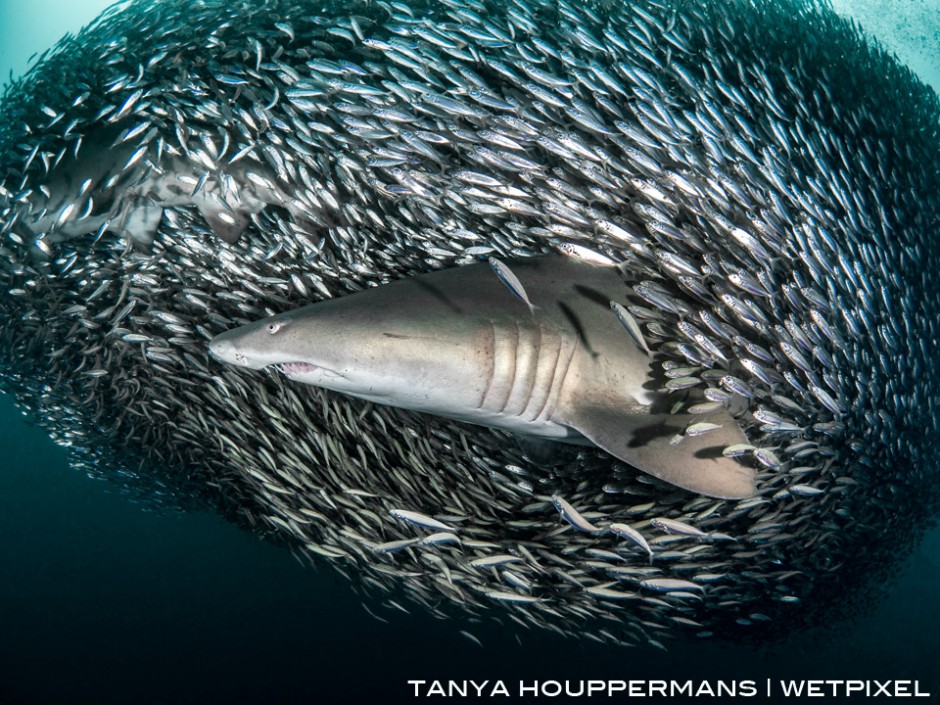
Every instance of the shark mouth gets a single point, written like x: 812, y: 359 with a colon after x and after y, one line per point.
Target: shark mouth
x: 295, y: 368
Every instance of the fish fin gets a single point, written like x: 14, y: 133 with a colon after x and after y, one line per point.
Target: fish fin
x: 648, y: 443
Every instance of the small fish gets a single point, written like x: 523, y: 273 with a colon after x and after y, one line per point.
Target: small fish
x: 135, y: 338
x: 717, y: 395
x: 705, y: 407
x: 373, y: 614
x: 675, y: 385
x: 472, y: 638
x: 632, y: 327
x: 515, y: 580
x: 628, y: 532
x: 603, y: 554
x: 607, y: 594
x: 586, y: 254
x: 504, y: 596
x: 613, y: 230
x: 670, y: 585
x: 736, y: 386
x: 677, y: 528
x: 805, y: 490
x: 571, y: 515
x: 737, y: 449
x: 767, y: 457
x: 511, y: 281
x: 826, y: 399
x: 655, y: 295
x: 394, y: 546
x: 699, y: 429
x: 493, y: 561
x: 420, y: 520
x: 441, y: 537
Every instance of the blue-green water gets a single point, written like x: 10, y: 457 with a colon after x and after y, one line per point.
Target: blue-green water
x: 102, y: 601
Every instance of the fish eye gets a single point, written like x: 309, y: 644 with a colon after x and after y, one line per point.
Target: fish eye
x: 274, y: 326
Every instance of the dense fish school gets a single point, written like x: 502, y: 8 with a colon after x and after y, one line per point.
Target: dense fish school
x: 769, y: 183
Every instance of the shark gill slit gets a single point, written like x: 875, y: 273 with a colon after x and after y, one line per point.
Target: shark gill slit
x: 491, y: 374
x: 504, y: 363
x: 518, y: 356
x: 524, y: 381
x: 543, y: 377
x: 560, y: 372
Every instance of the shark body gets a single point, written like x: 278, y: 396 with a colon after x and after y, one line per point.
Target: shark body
x: 108, y: 182
x: 456, y: 343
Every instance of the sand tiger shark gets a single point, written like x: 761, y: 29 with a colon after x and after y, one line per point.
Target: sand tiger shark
x: 107, y: 181
x: 456, y: 343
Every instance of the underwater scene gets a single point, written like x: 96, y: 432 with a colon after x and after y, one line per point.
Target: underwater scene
x: 518, y: 350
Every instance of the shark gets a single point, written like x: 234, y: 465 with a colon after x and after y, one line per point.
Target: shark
x: 551, y: 363
x: 108, y: 181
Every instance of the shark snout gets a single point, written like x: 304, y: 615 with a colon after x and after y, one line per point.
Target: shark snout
x: 223, y: 348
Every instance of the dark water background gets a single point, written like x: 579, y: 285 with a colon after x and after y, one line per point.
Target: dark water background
x: 102, y: 601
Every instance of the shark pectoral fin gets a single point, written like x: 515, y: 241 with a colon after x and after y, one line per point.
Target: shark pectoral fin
x: 655, y: 444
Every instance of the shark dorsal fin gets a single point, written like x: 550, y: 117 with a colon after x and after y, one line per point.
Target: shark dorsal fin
x: 649, y: 443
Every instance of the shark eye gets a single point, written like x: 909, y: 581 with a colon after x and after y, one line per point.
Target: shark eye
x: 274, y: 326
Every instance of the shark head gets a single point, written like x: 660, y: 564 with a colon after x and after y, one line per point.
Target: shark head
x: 369, y: 345
x: 277, y: 342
